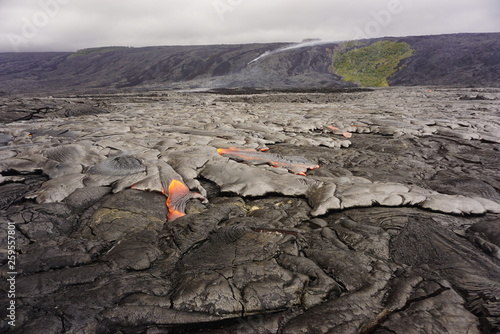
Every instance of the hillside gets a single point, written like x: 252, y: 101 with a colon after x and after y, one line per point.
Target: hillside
x: 452, y: 60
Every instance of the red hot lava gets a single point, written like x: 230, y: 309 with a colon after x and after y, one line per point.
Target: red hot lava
x: 178, y: 195
x: 296, y: 165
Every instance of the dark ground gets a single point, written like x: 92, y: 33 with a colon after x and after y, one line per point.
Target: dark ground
x: 396, y: 232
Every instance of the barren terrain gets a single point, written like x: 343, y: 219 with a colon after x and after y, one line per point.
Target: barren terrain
x: 463, y: 60
x: 178, y: 212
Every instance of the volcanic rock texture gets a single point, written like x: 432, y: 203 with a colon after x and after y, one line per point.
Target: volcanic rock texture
x: 397, y: 231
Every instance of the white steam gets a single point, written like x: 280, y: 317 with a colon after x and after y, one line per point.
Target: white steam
x: 291, y: 47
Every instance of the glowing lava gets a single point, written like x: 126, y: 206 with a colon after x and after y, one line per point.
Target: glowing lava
x: 296, y: 165
x: 178, y: 194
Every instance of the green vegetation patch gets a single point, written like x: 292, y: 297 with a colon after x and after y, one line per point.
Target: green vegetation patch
x: 85, y: 52
x: 372, y: 65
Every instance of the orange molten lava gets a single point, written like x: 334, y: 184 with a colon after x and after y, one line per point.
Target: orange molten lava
x: 235, y: 151
x: 177, y: 192
x: 238, y: 152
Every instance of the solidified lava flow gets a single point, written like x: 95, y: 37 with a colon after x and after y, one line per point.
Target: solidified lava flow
x: 396, y: 232
x: 296, y: 165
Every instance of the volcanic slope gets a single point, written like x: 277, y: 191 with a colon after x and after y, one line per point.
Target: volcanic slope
x: 458, y: 60
x: 395, y: 231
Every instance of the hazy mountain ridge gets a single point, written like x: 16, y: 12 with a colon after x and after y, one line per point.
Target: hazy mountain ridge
x: 455, y: 60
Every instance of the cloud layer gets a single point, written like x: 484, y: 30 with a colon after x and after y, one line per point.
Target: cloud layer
x: 68, y: 25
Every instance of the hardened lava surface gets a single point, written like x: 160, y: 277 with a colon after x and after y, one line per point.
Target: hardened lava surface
x: 170, y: 212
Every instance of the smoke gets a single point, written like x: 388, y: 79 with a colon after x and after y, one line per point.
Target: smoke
x: 263, y: 55
x: 291, y: 47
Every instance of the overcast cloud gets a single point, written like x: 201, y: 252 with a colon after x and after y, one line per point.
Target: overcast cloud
x: 68, y: 25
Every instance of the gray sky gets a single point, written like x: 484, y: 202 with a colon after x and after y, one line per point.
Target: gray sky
x: 68, y: 25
